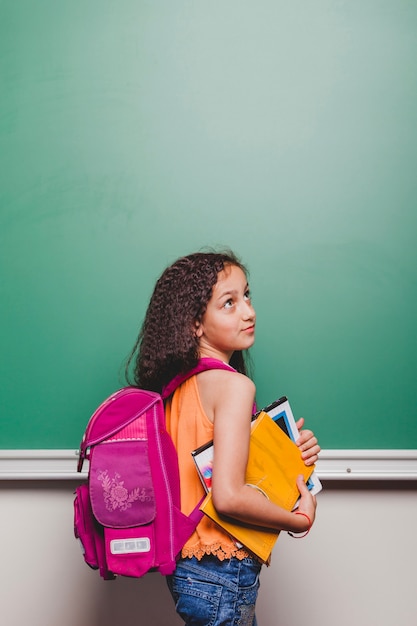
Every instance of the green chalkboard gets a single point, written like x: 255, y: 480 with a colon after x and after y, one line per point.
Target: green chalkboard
x: 133, y: 132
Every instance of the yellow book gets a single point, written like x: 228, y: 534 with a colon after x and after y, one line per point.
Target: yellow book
x: 273, y: 466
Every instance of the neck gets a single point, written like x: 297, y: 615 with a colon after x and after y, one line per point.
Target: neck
x: 209, y: 353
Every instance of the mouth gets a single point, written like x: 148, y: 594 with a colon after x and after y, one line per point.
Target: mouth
x: 249, y: 329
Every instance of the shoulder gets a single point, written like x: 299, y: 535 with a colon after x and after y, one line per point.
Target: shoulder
x: 226, y: 378
x: 221, y: 389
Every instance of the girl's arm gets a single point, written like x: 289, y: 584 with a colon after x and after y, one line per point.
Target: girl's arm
x: 227, y: 398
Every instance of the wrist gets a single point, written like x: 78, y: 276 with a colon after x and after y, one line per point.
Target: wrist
x: 303, y: 527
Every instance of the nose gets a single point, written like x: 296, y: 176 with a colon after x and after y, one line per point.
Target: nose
x: 248, y: 311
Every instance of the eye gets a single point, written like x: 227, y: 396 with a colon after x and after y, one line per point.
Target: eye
x: 228, y: 304
x: 247, y: 295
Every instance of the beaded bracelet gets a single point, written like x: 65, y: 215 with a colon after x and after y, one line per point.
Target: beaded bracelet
x: 306, y: 532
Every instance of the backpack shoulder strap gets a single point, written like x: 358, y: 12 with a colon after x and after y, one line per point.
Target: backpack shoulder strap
x: 202, y: 365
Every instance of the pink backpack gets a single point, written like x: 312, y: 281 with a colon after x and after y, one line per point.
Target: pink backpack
x: 127, y: 516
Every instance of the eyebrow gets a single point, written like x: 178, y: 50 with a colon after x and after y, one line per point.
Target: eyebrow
x: 232, y: 292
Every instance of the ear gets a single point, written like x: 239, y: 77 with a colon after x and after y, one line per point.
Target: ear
x: 198, y: 329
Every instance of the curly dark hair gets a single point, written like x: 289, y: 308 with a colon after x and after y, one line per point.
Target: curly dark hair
x: 167, y: 344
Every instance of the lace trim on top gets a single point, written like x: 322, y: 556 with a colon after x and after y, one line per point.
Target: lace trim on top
x: 218, y: 550
x: 221, y: 552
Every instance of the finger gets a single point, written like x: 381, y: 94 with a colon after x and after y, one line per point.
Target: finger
x: 300, y: 423
x: 311, y: 460
x: 308, y: 440
x: 311, y: 456
x: 302, y: 487
x: 311, y: 450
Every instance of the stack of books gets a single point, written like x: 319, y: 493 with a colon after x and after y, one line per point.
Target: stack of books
x: 273, y: 466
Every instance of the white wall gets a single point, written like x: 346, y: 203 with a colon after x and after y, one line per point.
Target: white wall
x: 357, y: 566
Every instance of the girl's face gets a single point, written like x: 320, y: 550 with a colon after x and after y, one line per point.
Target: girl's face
x: 229, y: 321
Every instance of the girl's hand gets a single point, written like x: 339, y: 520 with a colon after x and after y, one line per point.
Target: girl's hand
x: 307, y: 443
x: 307, y: 504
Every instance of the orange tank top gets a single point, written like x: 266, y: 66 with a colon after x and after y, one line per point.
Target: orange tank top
x: 190, y: 428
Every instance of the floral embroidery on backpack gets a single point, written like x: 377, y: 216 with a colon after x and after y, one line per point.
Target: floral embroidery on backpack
x: 115, y: 494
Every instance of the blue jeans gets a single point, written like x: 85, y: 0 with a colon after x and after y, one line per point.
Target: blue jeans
x: 211, y: 592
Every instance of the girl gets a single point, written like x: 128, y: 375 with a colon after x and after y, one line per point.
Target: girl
x: 201, y: 307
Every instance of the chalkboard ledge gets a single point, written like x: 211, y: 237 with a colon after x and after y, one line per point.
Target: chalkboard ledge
x: 349, y: 465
